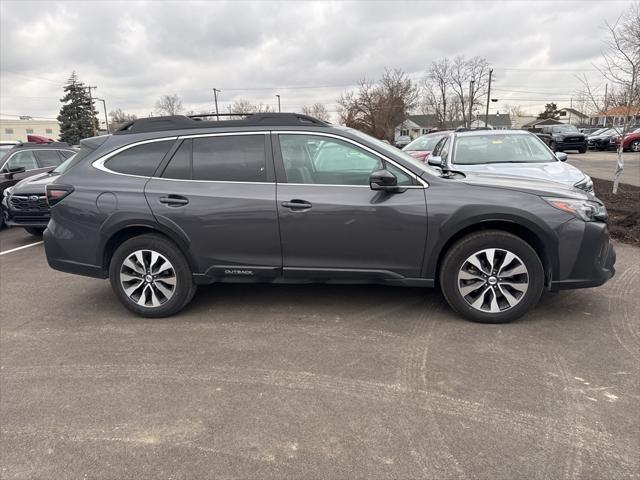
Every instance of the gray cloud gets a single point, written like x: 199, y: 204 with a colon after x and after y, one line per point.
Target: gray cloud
x: 137, y: 51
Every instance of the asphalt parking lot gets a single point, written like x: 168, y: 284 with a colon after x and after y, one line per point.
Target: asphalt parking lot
x: 603, y: 165
x: 263, y: 381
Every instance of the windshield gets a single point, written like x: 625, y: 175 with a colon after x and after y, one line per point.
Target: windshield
x: 483, y: 149
x: 565, y: 128
x: 426, y: 142
x: 393, y: 151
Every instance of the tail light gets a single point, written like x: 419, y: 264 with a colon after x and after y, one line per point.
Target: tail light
x: 56, y: 193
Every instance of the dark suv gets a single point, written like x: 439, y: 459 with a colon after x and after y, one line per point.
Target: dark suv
x: 168, y: 203
x: 25, y: 160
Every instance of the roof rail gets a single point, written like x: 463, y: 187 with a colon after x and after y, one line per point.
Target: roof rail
x: 180, y: 122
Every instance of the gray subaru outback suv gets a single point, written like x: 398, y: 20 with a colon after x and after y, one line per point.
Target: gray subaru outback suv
x: 169, y: 203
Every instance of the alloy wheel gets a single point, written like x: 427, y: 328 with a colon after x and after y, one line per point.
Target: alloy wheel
x: 635, y: 146
x: 148, y: 278
x: 493, y: 280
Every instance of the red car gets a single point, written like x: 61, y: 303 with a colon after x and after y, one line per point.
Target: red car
x: 631, y: 141
x: 422, y: 146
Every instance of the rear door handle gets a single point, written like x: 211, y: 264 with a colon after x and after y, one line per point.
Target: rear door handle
x: 297, y: 204
x: 174, y: 200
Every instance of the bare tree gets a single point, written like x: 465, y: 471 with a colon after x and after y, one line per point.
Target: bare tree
x: 621, y: 67
x: 119, y: 118
x: 244, y: 107
x: 464, y: 71
x: 377, y: 108
x: 169, y: 105
x: 438, y: 90
x: 317, y: 110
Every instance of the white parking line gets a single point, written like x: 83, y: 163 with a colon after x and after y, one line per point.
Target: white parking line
x: 20, y: 248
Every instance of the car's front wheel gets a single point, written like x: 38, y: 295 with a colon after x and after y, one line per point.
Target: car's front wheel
x: 635, y: 146
x: 492, y: 277
x: 151, y: 277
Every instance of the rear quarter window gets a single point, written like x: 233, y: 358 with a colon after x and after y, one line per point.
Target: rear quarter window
x: 142, y: 160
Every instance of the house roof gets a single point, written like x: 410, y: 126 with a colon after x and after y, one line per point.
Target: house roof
x: 425, y: 121
x: 619, y: 110
x: 542, y: 121
x: 498, y: 120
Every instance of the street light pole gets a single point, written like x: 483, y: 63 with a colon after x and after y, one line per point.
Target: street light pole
x: 215, y: 96
x: 106, y: 119
x: 486, y: 115
x: 278, y: 102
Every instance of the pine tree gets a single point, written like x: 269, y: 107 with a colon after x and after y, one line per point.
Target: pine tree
x: 77, y: 112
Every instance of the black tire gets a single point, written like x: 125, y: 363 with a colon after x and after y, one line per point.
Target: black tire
x: 634, y: 146
x: 583, y: 150
x: 456, y: 257
x: 184, y: 286
x: 36, y: 232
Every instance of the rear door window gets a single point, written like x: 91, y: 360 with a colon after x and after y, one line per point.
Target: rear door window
x: 48, y: 158
x: 230, y: 158
x: 141, y: 160
x: 180, y: 164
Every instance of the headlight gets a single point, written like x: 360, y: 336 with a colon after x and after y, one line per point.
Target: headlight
x: 7, y: 191
x: 583, y: 209
x: 585, y: 184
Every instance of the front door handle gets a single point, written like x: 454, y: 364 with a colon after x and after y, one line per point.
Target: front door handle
x: 174, y: 200
x: 297, y: 204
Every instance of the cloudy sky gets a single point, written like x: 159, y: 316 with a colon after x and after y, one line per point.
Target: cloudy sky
x: 305, y: 51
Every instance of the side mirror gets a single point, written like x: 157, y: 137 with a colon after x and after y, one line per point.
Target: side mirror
x: 435, y: 161
x: 561, y: 156
x: 384, y: 180
x: 13, y: 171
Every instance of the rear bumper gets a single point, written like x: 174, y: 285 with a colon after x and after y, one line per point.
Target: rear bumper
x: 59, y: 258
x: 592, y: 264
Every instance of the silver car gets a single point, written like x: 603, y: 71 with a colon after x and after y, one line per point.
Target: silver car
x: 507, y: 152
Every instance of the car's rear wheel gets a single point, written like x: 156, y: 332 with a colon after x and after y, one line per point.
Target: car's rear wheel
x: 36, y: 232
x: 151, y: 277
x: 492, y: 277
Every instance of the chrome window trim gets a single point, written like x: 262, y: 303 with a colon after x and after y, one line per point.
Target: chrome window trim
x: 412, y: 175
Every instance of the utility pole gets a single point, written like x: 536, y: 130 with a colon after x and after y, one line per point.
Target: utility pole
x: 93, y: 123
x: 278, y: 102
x: 486, y: 115
x: 470, y: 99
x: 215, y: 95
x: 106, y: 119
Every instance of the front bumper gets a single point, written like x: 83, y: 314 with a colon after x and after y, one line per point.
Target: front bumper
x: 587, y: 257
x: 36, y: 217
x: 561, y: 145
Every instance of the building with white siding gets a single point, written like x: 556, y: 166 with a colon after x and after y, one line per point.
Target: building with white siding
x: 18, y: 129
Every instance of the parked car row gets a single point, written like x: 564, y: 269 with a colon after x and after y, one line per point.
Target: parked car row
x: 502, y: 152
x: 166, y: 204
